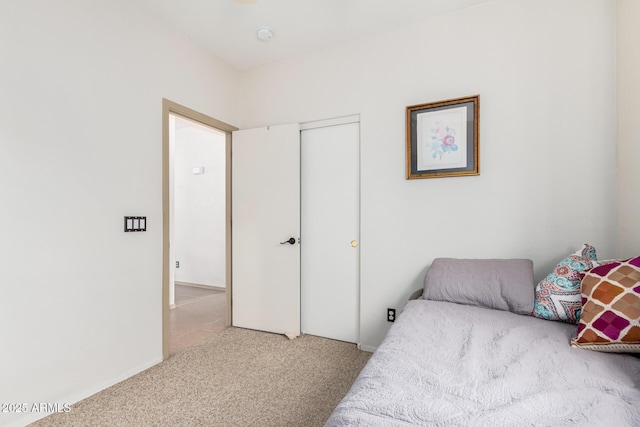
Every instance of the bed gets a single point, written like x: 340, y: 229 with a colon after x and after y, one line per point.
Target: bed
x: 479, y: 358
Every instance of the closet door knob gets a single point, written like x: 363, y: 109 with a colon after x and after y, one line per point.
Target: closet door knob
x: 291, y: 241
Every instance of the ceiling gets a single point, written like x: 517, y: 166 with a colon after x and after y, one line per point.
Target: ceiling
x: 228, y: 28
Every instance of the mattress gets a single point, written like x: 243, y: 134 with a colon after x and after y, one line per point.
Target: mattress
x: 446, y: 364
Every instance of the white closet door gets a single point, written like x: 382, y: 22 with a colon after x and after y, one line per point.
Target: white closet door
x: 266, y: 212
x: 330, y: 212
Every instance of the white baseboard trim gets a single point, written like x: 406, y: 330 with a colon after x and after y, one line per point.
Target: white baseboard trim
x: 198, y: 285
x: 368, y: 348
x: 172, y: 306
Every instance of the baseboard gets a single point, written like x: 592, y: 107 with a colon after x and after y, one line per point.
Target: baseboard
x: 198, y: 285
x: 368, y: 348
x: 172, y: 306
x: 35, y: 416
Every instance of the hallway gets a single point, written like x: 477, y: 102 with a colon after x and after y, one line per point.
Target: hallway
x: 199, y: 315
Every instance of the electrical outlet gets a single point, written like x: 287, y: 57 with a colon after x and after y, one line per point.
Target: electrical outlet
x: 391, y: 314
x: 177, y: 264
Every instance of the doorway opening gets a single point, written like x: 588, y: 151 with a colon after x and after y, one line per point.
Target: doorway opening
x: 196, y: 291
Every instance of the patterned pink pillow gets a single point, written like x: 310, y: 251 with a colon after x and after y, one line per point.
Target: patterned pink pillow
x: 610, y: 319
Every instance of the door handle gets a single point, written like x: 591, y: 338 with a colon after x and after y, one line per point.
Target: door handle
x: 291, y: 241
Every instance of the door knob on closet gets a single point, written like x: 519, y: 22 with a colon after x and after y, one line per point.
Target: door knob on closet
x: 291, y: 241
x: 354, y: 243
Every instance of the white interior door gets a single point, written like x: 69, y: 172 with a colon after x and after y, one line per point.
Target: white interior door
x: 330, y: 224
x: 266, y: 212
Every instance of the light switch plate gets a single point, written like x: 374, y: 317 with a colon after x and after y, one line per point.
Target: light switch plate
x: 135, y: 223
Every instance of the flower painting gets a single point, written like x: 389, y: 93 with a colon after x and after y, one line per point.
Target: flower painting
x: 443, y: 139
x: 440, y: 133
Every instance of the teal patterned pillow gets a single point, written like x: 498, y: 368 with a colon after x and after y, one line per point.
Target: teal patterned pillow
x: 557, y: 296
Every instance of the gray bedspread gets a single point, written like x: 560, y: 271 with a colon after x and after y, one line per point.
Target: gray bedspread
x: 444, y: 364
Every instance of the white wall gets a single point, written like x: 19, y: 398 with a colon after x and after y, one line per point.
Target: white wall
x: 200, y: 209
x: 80, y: 147
x: 545, y: 74
x: 628, y: 96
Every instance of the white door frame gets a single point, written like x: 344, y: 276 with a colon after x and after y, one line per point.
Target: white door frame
x: 168, y: 108
x: 355, y: 118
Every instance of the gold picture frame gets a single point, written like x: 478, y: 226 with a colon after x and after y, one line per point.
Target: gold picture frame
x: 443, y: 138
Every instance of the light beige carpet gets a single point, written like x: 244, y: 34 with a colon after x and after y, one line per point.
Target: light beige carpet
x: 239, y: 378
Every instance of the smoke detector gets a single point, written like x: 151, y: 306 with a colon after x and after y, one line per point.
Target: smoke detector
x: 264, y: 33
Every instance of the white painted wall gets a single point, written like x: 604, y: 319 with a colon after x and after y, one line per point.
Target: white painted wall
x: 80, y: 147
x: 545, y: 74
x: 200, y: 204
x: 628, y: 96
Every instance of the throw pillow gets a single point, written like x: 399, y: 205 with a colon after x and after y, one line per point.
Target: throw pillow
x: 610, y: 318
x: 557, y: 296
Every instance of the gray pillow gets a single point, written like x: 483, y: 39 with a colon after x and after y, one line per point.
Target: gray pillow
x: 501, y: 284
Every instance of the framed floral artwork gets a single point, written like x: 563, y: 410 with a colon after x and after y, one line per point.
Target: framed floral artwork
x: 443, y: 138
